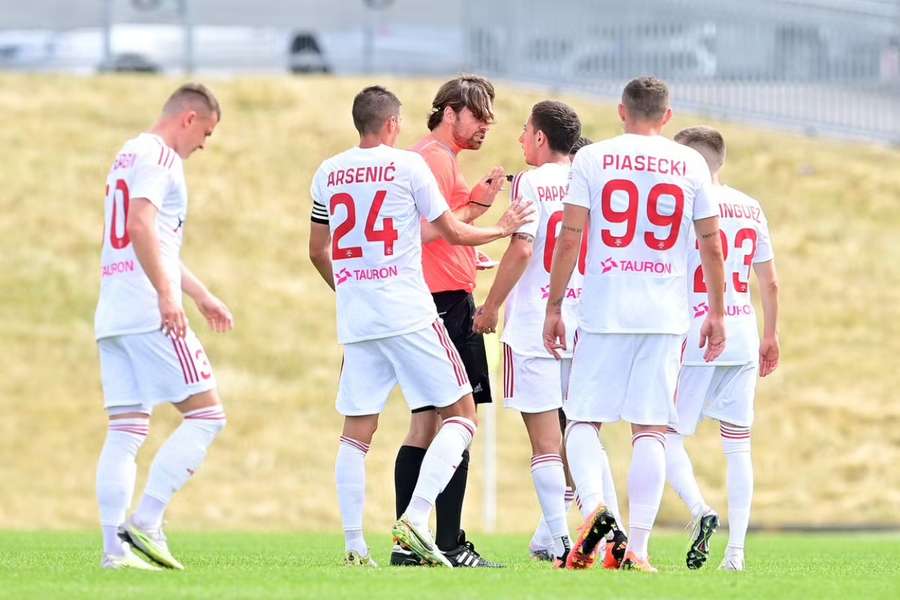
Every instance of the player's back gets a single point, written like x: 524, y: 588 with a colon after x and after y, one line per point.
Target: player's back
x: 375, y: 199
x: 643, y: 193
x: 745, y: 241
x: 545, y: 187
x: 147, y: 168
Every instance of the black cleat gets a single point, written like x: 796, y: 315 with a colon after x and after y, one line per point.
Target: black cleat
x: 465, y: 555
x: 703, y: 529
x: 400, y: 557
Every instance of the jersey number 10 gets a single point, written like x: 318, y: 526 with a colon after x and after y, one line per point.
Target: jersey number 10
x: 121, y: 190
x: 386, y: 235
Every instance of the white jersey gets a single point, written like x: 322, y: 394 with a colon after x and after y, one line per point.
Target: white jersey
x: 545, y: 187
x: 643, y: 193
x: 145, y: 167
x: 745, y: 241
x: 373, y: 200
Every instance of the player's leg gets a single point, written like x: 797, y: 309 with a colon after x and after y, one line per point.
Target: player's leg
x: 350, y: 477
x: 175, y: 371
x: 694, y: 384
x: 541, y: 545
x: 649, y: 407
x: 732, y: 406
x: 549, y: 476
x: 596, y: 365
x: 458, y: 317
x: 431, y: 373
x: 129, y: 423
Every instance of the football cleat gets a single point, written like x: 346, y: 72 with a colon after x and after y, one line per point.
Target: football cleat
x: 129, y: 560
x: 701, y: 530
x: 401, y: 557
x: 615, y: 550
x: 420, y: 543
x: 151, y: 542
x: 540, y: 554
x: 633, y: 563
x: 465, y: 555
x: 355, y: 559
x: 597, y: 526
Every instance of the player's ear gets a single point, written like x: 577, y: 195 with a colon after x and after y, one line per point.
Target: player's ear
x: 623, y: 114
x: 449, y: 114
x: 666, y: 116
x: 188, y: 118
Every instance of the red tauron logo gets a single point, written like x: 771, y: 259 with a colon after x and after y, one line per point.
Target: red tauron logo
x: 700, y: 310
x: 608, y: 264
x: 342, y: 276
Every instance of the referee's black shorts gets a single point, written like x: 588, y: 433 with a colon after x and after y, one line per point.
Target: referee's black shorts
x: 457, y: 309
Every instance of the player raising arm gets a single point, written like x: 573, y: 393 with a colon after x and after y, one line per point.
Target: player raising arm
x: 724, y: 388
x: 365, y: 241
x: 148, y: 353
x: 643, y: 193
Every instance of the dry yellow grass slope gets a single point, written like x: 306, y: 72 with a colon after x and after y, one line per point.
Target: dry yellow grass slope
x: 826, y: 441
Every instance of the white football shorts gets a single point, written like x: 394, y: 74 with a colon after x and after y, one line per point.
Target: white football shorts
x: 534, y: 384
x: 146, y: 369
x: 724, y: 393
x: 624, y: 376
x: 425, y: 364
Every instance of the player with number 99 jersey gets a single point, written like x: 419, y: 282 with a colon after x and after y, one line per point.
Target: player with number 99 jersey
x: 145, y: 167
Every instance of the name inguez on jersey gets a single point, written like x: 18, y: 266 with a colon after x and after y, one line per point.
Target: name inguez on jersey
x: 739, y: 211
x: 124, y: 161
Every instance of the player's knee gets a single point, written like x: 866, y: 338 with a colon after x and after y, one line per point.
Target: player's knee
x: 210, y: 419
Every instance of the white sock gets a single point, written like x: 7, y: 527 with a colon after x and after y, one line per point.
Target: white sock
x: 736, y: 446
x: 646, y: 481
x: 680, y: 475
x: 350, y: 474
x: 550, y: 483
x: 542, y: 538
x: 610, y: 498
x: 177, y: 461
x: 116, y: 472
x: 440, y: 462
x: 584, y: 450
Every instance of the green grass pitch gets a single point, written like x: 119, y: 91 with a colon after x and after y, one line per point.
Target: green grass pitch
x: 238, y: 565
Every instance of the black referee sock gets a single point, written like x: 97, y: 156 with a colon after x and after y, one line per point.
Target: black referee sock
x: 449, y: 506
x: 406, y: 473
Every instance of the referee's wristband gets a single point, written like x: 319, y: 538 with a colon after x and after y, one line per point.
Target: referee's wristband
x: 480, y: 204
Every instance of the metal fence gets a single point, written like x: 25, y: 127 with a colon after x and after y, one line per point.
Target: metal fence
x: 824, y: 66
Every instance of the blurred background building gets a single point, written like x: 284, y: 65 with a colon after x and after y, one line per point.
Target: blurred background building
x: 823, y: 66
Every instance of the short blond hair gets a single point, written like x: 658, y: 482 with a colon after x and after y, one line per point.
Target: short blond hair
x: 707, y: 141
x: 193, y: 96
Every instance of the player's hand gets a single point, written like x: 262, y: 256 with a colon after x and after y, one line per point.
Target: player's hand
x: 174, y: 321
x: 769, y: 352
x: 486, y: 189
x: 515, y: 216
x: 485, y: 320
x: 554, y: 334
x: 216, y: 313
x: 712, y: 337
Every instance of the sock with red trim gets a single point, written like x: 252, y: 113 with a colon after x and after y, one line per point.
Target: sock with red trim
x: 583, y: 449
x: 646, y: 481
x: 440, y: 462
x: 542, y: 539
x: 350, y: 475
x: 116, y: 474
x: 680, y: 475
x: 177, y: 461
x: 610, y: 498
x: 736, y: 446
x: 550, y: 483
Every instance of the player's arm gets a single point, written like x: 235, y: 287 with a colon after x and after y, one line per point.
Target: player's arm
x: 568, y: 245
x: 712, y: 332
x: 141, y: 228
x: 462, y: 234
x: 320, y: 251
x: 213, y: 310
x: 768, y: 289
x: 512, y: 265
